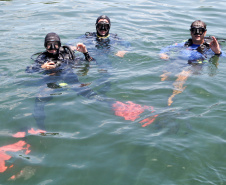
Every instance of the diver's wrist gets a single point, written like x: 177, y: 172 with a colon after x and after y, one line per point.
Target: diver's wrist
x: 87, y: 56
x: 218, y: 54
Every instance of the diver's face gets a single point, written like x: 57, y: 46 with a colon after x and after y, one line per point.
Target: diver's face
x: 103, y: 27
x: 52, y: 47
x: 198, y: 35
x: 52, y: 51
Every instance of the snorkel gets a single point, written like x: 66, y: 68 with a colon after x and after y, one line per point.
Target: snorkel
x: 103, y: 26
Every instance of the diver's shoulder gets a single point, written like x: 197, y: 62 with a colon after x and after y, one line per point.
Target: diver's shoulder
x: 114, y: 36
x: 39, y: 57
x: 67, y: 53
x: 188, y: 42
x: 90, y: 34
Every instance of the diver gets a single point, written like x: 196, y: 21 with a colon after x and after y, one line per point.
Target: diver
x: 56, y: 65
x: 197, y: 50
x: 103, y: 45
x: 198, y: 47
x: 102, y: 40
x: 55, y: 54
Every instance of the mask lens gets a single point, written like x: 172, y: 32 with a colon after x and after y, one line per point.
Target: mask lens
x: 198, y: 31
x: 52, y: 45
x: 56, y: 44
x: 103, y: 26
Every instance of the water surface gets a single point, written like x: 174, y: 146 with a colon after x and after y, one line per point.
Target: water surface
x: 85, y: 142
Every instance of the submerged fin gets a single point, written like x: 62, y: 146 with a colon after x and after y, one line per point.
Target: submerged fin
x: 131, y: 111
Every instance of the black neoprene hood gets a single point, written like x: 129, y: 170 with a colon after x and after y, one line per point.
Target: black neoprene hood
x: 52, y: 37
x: 103, y: 17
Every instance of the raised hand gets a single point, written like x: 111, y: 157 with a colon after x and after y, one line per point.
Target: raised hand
x: 214, y: 45
x: 81, y: 48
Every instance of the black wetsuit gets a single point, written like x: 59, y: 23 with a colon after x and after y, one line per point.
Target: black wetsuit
x: 64, y: 56
x: 102, y: 49
x: 194, y: 54
x: 62, y: 74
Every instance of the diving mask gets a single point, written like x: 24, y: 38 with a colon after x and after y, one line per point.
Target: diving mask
x: 102, y: 25
x: 197, y: 30
x: 52, y: 45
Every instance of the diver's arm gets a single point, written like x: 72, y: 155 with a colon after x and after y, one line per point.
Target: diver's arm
x: 164, y: 56
x: 121, y: 53
x: 36, y: 67
x: 41, y: 67
x: 126, y: 46
x: 165, y: 52
x: 33, y: 68
x: 39, y: 60
x: 87, y: 56
x: 82, y: 48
